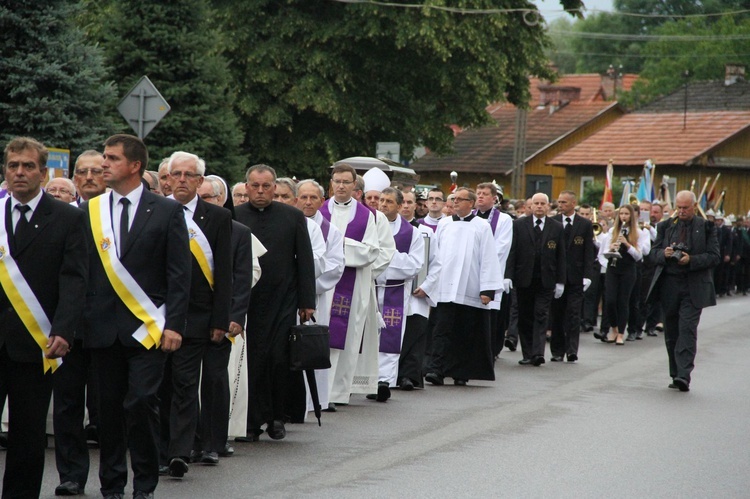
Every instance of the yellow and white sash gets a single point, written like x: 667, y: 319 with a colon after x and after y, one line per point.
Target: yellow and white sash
x: 22, y: 298
x: 200, y: 249
x: 129, y: 291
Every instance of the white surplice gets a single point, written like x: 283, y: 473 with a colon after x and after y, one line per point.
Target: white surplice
x: 421, y: 306
x: 503, y: 235
x: 359, y: 255
x: 403, y: 266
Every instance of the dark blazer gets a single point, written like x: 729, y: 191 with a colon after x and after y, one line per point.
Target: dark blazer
x: 157, y: 255
x: 242, y: 270
x: 52, y: 257
x: 520, y: 266
x: 580, y: 252
x: 704, y: 256
x: 209, y: 308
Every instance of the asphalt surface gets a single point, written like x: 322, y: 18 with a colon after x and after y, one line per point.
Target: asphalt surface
x: 607, y: 426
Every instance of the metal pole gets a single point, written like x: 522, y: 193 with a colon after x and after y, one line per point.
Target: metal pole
x: 141, y: 112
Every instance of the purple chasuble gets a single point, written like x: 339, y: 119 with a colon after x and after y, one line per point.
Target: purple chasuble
x: 393, y: 297
x: 344, y: 291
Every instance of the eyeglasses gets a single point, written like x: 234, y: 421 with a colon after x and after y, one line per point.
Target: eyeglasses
x: 342, y: 182
x: 440, y: 200
x: 83, y: 172
x: 59, y: 190
x: 460, y: 200
x: 186, y: 175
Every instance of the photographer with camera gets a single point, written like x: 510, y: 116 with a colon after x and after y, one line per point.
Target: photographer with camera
x: 685, y: 252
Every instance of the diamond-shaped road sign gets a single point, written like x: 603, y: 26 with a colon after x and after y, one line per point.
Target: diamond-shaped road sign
x: 143, y: 107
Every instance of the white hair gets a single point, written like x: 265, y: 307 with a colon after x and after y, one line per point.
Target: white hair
x: 313, y: 183
x: 200, y: 165
x: 68, y: 183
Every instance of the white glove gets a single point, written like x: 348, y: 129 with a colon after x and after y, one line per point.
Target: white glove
x: 586, y: 284
x: 507, y: 285
x: 559, y: 290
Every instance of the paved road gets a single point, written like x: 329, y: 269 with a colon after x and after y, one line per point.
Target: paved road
x: 607, y: 426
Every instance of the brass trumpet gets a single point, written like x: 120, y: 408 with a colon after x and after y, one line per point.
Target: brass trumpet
x: 595, y: 223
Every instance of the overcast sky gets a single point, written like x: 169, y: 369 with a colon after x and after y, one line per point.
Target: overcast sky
x: 552, y: 9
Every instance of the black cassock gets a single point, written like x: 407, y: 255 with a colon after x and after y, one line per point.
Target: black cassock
x: 287, y: 284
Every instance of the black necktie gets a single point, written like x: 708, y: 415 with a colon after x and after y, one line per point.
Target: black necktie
x: 22, y: 222
x: 124, y: 223
x: 568, y: 229
x: 538, y: 229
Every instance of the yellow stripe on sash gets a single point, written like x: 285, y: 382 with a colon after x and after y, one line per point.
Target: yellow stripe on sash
x: 200, y: 257
x: 103, y: 247
x: 25, y: 314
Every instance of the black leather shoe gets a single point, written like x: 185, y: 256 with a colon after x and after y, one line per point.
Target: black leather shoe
x: 139, y: 494
x: 276, y: 430
x: 195, y: 456
x: 510, y: 344
x: 631, y: 337
x: 434, y: 378
x: 68, y: 489
x: 163, y: 470
x: 681, y: 384
x: 525, y: 362
x: 651, y: 332
x: 227, y: 451
x: 599, y: 335
x: 557, y: 358
x: 331, y: 407
x: 572, y: 357
x: 672, y: 386
x: 459, y: 382
x: 537, y: 361
x: 406, y: 384
x: 116, y: 495
x: 92, y: 435
x: 210, y: 457
x: 177, y: 467
x: 384, y: 391
x: 588, y: 328
x: 3, y: 439
x: 639, y: 335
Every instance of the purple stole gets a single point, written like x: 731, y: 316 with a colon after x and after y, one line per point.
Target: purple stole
x: 492, y: 219
x: 344, y: 291
x: 325, y: 228
x: 423, y: 222
x: 393, y: 297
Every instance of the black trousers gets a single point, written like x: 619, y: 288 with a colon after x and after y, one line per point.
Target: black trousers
x: 75, y: 388
x: 179, y: 399
x: 512, y: 333
x: 413, y: 346
x: 680, y: 325
x: 214, y: 412
x: 619, y: 284
x: 129, y: 378
x: 591, y: 297
x: 29, y: 391
x: 533, y: 317
x: 635, y: 319
x: 566, y: 321
x: 499, y: 324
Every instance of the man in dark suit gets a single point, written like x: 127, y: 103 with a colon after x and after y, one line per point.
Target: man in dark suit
x: 210, y: 232
x: 579, y: 256
x: 285, y: 289
x: 75, y: 386
x: 136, y: 310
x: 685, y: 251
x: 538, y: 275
x: 42, y: 252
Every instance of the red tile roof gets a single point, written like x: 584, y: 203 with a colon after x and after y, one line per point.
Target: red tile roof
x: 489, y: 149
x: 636, y: 137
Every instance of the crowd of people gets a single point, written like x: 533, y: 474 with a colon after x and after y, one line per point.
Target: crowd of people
x: 156, y: 305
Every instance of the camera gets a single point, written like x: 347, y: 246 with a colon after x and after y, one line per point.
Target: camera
x: 679, y: 251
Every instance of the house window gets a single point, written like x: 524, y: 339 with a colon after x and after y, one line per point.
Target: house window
x: 585, y: 182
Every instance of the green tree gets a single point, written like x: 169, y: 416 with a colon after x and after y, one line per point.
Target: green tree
x: 54, y: 84
x: 320, y: 80
x: 703, y: 59
x: 175, y: 45
x: 561, y: 51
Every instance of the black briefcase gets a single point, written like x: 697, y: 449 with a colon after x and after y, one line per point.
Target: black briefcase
x: 309, y: 347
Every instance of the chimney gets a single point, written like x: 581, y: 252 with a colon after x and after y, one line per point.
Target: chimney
x: 733, y: 73
x: 557, y: 96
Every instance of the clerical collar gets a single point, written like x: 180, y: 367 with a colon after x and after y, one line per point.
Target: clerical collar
x: 483, y: 214
x: 347, y: 203
x: 467, y: 218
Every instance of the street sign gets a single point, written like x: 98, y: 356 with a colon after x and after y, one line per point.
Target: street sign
x: 388, y: 150
x: 143, y: 107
